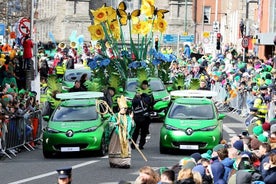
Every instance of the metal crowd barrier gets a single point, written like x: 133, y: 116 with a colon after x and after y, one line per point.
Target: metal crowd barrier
x: 20, y: 132
x: 237, y: 104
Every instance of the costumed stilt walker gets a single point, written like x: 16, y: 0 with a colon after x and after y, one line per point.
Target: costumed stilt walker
x: 119, y: 151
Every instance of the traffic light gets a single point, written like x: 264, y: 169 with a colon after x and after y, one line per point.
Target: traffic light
x: 156, y: 44
x: 218, y: 41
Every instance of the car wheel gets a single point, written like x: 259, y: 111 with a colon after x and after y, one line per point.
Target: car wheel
x: 162, y: 149
x: 47, y: 154
x: 104, y: 147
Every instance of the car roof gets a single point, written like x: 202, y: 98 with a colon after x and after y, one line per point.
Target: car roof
x: 78, y: 102
x: 80, y: 95
x: 193, y: 101
x: 150, y: 78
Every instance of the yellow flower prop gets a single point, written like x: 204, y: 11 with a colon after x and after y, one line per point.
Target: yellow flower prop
x: 147, y: 8
x: 108, y: 26
x: 142, y: 27
x: 114, y: 29
x: 161, y: 25
x: 111, y: 14
x: 96, y: 32
x: 100, y: 15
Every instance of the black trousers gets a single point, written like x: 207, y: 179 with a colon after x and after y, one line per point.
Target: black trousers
x: 142, y: 127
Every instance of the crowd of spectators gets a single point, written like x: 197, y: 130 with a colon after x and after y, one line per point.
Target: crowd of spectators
x: 247, y: 158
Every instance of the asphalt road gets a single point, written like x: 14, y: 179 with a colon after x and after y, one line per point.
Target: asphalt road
x: 32, y: 168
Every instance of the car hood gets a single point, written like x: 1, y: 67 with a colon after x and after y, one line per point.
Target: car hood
x: 156, y: 94
x: 68, y: 84
x: 73, y: 125
x: 194, y: 124
x: 130, y: 94
x: 160, y: 94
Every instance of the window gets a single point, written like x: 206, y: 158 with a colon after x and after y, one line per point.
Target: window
x: 193, y: 111
x: 207, y: 14
x: 77, y: 113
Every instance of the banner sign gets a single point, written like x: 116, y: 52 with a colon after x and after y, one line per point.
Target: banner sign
x: 2, y: 29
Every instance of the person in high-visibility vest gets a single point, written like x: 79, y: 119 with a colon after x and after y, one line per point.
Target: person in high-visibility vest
x: 60, y: 68
x: 261, y: 104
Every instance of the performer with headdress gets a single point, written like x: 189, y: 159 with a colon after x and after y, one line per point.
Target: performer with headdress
x: 119, y: 151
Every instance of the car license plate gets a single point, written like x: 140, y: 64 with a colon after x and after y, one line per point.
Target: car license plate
x: 69, y: 149
x: 189, y: 147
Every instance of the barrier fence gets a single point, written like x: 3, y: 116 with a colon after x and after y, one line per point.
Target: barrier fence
x: 18, y: 132
x: 233, y: 101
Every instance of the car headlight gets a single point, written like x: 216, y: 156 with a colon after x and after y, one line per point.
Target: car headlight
x: 167, y: 98
x: 208, y: 128
x: 65, y: 88
x: 50, y: 130
x: 169, y: 127
x: 91, y: 129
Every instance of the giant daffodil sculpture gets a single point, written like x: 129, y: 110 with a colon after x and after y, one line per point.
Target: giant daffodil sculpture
x: 115, y: 51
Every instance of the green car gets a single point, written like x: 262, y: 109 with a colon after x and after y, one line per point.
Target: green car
x: 76, y: 126
x: 192, y: 123
x: 160, y: 94
x: 71, y: 75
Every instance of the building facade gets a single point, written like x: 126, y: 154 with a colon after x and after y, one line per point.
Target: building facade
x: 60, y: 20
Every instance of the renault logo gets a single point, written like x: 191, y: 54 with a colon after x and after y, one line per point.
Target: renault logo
x: 69, y: 133
x: 189, y: 131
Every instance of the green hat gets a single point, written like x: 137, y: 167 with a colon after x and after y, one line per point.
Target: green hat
x: 268, y: 81
x: 218, y: 147
x: 258, y: 130
x: 262, y: 138
x: 237, y: 78
x: 22, y: 91
x: 189, y: 165
x: 207, y: 155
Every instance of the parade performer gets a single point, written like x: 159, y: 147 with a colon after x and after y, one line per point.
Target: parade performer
x: 123, y: 126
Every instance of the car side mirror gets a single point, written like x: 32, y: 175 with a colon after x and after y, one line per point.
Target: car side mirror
x: 121, y: 90
x: 162, y: 114
x: 169, y: 88
x: 46, y: 118
x: 221, y: 116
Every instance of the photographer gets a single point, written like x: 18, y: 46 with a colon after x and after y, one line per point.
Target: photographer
x: 241, y: 96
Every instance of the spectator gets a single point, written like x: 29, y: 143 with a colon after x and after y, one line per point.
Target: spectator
x: 187, y: 52
x: 252, y: 118
x: 168, y: 177
x: 203, y: 85
x: 269, y: 171
x: 27, y: 52
x: 147, y: 176
x: 185, y: 176
x: 226, y: 161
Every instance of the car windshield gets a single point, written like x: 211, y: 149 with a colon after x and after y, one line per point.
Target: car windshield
x: 192, y: 111
x: 81, y: 113
x: 72, y: 76
x: 155, y: 85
